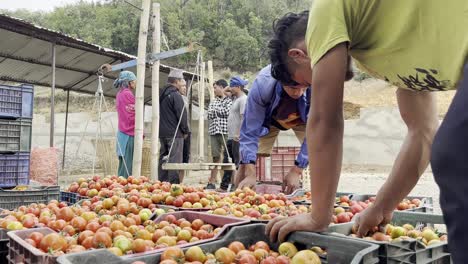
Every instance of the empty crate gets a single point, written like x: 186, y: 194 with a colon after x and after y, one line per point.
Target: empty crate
x: 16, y: 101
x: 15, y: 135
x: 14, y: 169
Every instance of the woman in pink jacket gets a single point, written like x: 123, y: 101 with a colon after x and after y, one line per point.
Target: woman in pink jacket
x: 125, y: 104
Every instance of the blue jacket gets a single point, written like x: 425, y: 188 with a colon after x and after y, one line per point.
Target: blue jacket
x: 264, y: 96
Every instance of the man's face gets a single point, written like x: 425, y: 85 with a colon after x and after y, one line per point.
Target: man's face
x: 182, y: 86
x: 295, y: 92
x: 218, y: 90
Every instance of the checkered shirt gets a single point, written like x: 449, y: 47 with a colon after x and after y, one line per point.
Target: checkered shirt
x: 218, y: 112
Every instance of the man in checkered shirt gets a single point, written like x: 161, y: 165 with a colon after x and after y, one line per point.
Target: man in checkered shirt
x: 218, y: 112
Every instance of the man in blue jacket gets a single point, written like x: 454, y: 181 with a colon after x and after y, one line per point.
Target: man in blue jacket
x: 271, y: 108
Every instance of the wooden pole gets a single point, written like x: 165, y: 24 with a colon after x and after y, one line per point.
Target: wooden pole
x: 155, y: 93
x: 210, y: 80
x: 201, y: 121
x: 140, y: 90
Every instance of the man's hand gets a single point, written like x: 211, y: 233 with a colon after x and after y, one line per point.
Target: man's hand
x: 278, y: 228
x: 292, y: 180
x: 371, y: 217
x: 246, y: 176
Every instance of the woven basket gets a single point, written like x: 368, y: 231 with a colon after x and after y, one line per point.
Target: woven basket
x: 146, y: 159
x: 107, y: 156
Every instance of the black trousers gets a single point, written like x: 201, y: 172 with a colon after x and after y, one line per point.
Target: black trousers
x: 171, y: 176
x: 186, y: 152
x: 233, y: 148
x: 449, y: 161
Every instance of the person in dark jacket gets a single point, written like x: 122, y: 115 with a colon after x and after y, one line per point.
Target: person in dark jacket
x: 172, y: 131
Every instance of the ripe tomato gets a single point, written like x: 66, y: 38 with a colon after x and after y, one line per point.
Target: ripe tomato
x: 236, y: 246
x: 139, y: 245
x: 157, y: 234
x: 76, y: 248
x: 262, y: 245
x: 170, y: 231
x: 105, y: 230
x: 66, y: 213
x: 79, y: 223
x: 93, y: 226
x: 53, y: 242
x: 195, y: 254
x: 225, y: 255
x: 247, y: 259
x: 171, y: 219
x: 197, y: 224
x: 305, y: 256
x: 102, y: 240
x: 269, y: 260
x: 117, y: 225
x: 173, y: 253
x: 260, y: 254
x: 37, y: 237
x: 70, y: 230
x: 83, y: 235
x: 283, y: 260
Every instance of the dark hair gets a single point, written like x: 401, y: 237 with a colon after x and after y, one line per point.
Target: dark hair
x: 287, y: 30
x: 173, y: 79
x: 222, y: 83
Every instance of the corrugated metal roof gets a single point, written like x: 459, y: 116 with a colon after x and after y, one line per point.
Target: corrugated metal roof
x: 25, y: 57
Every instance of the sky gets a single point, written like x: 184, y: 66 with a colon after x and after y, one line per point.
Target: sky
x: 34, y: 5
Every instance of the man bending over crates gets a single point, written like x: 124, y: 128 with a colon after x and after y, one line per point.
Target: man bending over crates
x: 420, y: 46
x: 271, y: 108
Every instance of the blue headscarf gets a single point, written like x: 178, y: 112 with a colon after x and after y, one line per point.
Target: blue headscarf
x: 124, y: 78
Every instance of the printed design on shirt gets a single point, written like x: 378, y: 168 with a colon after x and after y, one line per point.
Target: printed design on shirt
x: 424, y: 80
x: 130, y: 108
x: 293, y: 120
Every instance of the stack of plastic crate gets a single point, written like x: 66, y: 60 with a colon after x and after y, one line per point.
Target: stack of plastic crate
x: 16, y: 112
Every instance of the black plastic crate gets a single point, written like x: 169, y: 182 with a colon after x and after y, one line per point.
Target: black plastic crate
x: 70, y: 197
x: 3, y: 251
x: 14, y: 169
x: 339, y: 250
x: 408, y: 251
x: 12, y: 199
x: 16, y: 101
x: 15, y: 135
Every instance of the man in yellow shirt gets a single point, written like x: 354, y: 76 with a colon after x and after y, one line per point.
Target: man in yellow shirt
x: 419, y: 46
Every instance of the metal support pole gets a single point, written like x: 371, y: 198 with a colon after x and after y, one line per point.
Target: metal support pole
x: 52, y: 99
x: 66, y: 130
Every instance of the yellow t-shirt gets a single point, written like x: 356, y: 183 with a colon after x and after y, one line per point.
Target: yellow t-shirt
x: 415, y: 44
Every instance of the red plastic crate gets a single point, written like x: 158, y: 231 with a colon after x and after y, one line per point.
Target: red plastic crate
x: 260, y: 168
x: 225, y: 222
x: 20, y: 251
x: 270, y: 187
x: 282, y: 160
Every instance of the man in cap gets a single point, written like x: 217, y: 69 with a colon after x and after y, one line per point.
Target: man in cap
x: 237, y: 87
x: 272, y: 107
x: 218, y: 112
x: 171, y: 131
